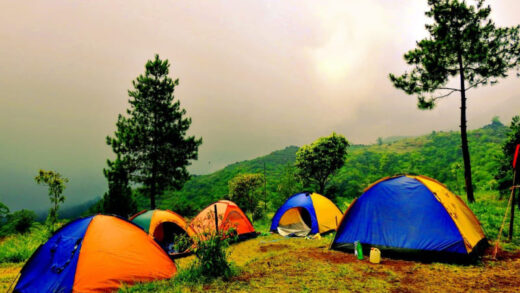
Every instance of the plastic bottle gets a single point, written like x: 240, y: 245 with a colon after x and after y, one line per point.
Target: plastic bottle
x: 358, y: 250
x: 375, y: 255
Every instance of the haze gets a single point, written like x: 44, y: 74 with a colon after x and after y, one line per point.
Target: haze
x: 255, y: 76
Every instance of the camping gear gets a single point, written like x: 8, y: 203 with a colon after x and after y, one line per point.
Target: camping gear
x: 305, y: 213
x: 229, y: 216
x: 164, y: 226
x: 94, y: 254
x: 411, y: 214
x: 375, y: 255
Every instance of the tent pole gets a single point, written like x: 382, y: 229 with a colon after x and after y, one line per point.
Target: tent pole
x: 216, y: 219
x: 512, y: 220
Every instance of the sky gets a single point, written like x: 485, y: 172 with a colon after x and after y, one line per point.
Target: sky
x: 255, y: 76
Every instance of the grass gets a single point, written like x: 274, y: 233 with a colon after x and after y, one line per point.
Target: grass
x: 18, y: 248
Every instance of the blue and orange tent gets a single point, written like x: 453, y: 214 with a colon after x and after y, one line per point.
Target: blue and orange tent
x: 95, y: 254
x: 305, y: 213
x: 411, y: 214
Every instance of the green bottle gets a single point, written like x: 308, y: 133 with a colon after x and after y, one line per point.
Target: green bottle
x: 358, y: 250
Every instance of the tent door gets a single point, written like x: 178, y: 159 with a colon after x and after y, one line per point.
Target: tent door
x: 167, y: 234
x: 292, y: 223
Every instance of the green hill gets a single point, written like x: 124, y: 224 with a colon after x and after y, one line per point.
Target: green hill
x: 437, y: 155
x: 201, y: 190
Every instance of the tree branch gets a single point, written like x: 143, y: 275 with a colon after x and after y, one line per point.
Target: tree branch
x: 449, y: 88
x: 443, y: 96
x: 481, y: 81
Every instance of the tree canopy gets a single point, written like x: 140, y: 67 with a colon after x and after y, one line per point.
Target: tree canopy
x: 463, y: 41
x: 56, y: 184
x: 151, y: 140
x: 244, y: 190
x: 317, y: 162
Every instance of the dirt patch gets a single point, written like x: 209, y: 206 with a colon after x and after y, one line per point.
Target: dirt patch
x: 327, y: 255
x: 272, y: 247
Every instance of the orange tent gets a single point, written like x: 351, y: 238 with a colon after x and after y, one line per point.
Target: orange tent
x: 229, y: 215
x: 157, y: 223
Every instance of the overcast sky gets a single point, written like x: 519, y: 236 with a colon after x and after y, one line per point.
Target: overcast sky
x: 255, y: 76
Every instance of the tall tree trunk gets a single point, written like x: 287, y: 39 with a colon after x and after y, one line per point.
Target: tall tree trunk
x: 464, y: 135
x: 152, y: 195
x: 322, y: 187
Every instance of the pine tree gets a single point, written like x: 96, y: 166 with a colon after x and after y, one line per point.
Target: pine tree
x: 463, y: 42
x: 152, y: 139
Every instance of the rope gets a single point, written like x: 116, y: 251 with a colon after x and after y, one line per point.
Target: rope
x: 495, y: 250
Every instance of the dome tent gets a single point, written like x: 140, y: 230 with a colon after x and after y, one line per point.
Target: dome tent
x: 411, y: 216
x: 162, y: 225
x: 96, y: 253
x: 305, y: 213
x: 229, y: 216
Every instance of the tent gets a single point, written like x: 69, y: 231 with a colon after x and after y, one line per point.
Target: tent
x: 411, y: 216
x: 94, y: 254
x: 163, y: 226
x: 305, y: 213
x: 229, y: 215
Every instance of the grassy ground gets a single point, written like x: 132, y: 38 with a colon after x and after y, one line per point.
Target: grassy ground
x: 271, y: 262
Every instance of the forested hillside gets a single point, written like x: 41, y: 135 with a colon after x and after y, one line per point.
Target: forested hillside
x: 437, y: 155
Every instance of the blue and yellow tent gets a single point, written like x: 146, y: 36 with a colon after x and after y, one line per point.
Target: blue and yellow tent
x: 95, y: 254
x: 305, y: 213
x: 410, y: 214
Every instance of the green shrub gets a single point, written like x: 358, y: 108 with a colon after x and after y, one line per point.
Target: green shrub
x: 18, y: 248
x: 211, y: 262
x: 17, y: 222
x: 22, y: 220
x: 258, y: 214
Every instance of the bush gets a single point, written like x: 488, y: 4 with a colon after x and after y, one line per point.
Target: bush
x: 258, y: 214
x: 211, y: 262
x: 22, y: 220
x: 17, y: 222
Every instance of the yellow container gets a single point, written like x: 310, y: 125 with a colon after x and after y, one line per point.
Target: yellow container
x: 375, y: 255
